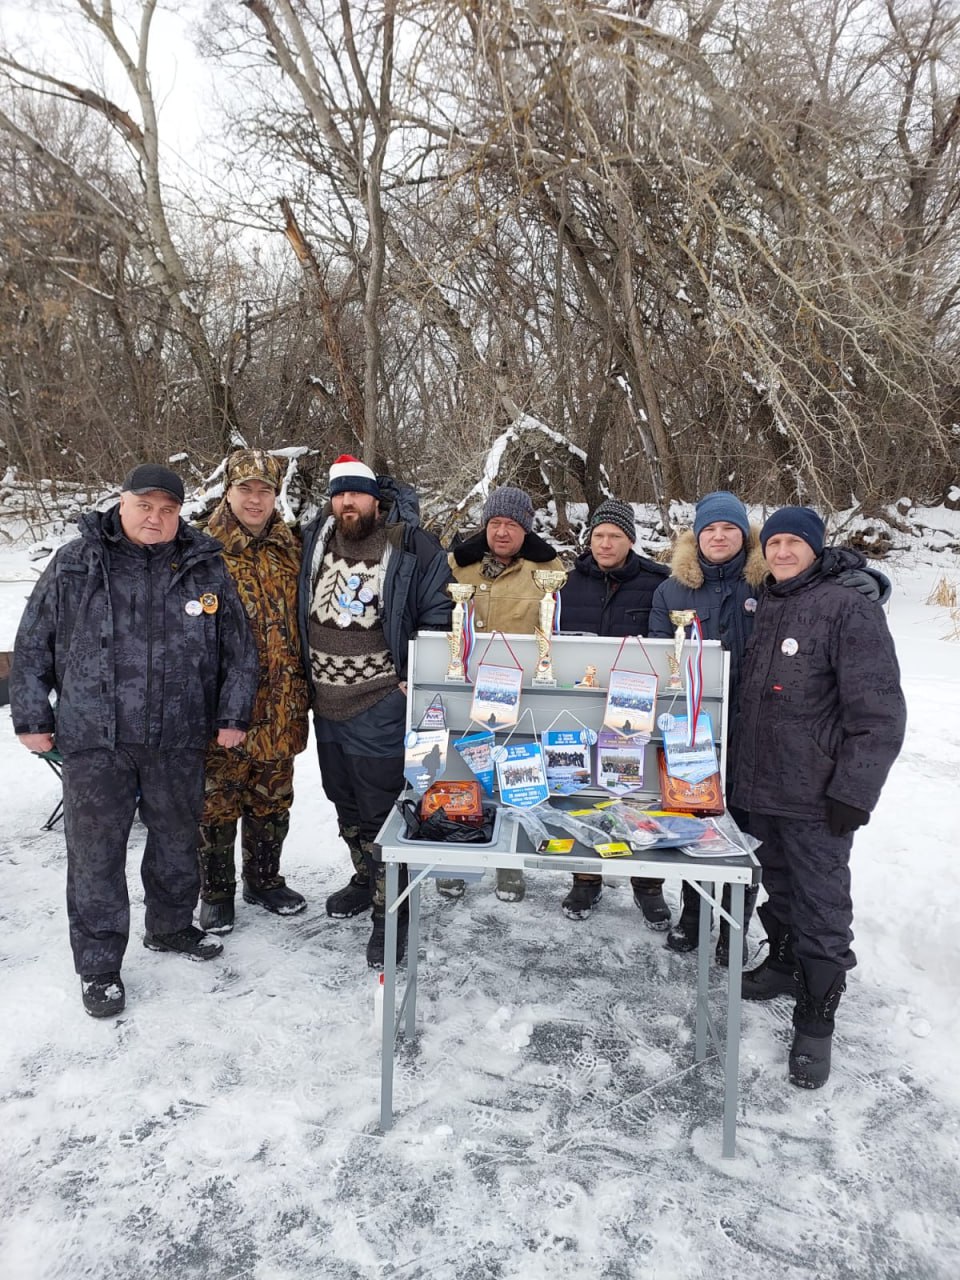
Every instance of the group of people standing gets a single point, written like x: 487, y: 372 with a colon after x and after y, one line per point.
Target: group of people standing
x: 184, y: 664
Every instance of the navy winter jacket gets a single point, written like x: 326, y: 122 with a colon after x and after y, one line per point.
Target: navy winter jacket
x: 614, y: 602
x: 821, y: 712
x: 106, y: 627
x: 414, y: 582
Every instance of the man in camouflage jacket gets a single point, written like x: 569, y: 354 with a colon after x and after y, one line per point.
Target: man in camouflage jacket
x: 253, y: 784
x: 137, y: 629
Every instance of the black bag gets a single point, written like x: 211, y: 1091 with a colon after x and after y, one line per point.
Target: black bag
x: 441, y: 829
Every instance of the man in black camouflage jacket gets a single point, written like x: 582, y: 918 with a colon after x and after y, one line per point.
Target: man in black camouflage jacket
x: 137, y: 628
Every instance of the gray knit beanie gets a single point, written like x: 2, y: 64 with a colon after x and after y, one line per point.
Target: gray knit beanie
x: 613, y: 511
x: 510, y: 504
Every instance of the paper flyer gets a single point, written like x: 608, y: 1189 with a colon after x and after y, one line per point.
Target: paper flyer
x: 496, y: 696
x: 521, y: 775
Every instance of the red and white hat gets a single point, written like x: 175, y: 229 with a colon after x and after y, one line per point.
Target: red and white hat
x: 349, y: 475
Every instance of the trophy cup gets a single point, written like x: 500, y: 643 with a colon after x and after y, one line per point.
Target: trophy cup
x: 549, y: 581
x: 681, y: 619
x: 460, y: 593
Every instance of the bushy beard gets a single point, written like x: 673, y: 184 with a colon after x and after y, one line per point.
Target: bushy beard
x: 357, y: 529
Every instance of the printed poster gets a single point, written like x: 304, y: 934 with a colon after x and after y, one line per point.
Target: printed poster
x: 521, y: 774
x: 631, y: 703
x: 496, y: 696
x: 475, y: 750
x: 619, y: 762
x: 567, y: 756
x: 690, y: 763
x: 424, y: 757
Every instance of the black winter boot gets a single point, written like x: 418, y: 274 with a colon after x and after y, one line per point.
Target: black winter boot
x: 263, y: 886
x: 353, y: 898
x: 776, y: 976
x: 583, y: 897
x: 648, y: 896
x: 103, y: 994
x: 723, y: 941
x: 218, y: 877
x: 820, y: 987
x: 685, y: 933
x: 376, y: 946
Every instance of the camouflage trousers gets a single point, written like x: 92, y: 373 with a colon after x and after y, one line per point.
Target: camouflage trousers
x: 102, y: 790
x: 256, y: 795
x: 237, y: 784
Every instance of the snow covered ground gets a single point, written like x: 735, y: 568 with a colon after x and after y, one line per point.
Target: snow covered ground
x: 550, y: 1123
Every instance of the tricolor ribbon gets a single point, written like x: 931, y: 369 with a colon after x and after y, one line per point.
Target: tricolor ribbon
x: 556, y: 613
x: 694, y: 682
x: 469, y: 634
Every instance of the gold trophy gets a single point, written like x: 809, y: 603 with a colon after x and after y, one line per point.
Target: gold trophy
x: 549, y: 581
x: 460, y: 593
x: 681, y: 619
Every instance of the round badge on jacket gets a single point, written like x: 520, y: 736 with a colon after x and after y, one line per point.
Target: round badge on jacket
x: 750, y: 605
x: 194, y: 608
x: 789, y: 647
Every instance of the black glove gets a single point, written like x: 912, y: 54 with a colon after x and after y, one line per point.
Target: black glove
x: 843, y: 819
x: 869, y: 582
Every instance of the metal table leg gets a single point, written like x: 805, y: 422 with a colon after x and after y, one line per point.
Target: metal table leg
x: 413, y: 964
x: 388, y: 1028
x: 703, y: 976
x: 731, y: 1057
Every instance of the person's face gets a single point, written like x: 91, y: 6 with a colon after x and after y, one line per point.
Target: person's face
x: 787, y: 556
x: 355, y: 514
x: 720, y: 542
x: 253, y: 502
x: 148, y: 519
x: 504, y: 537
x: 609, y: 546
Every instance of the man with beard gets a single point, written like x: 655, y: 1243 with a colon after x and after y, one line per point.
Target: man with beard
x: 370, y: 579
x: 252, y: 785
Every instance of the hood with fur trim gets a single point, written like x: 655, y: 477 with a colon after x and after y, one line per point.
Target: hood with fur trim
x: 685, y: 563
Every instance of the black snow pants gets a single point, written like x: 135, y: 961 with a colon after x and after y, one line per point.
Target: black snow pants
x: 101, y: 792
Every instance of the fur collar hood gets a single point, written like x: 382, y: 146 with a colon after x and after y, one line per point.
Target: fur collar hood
x: 686, y: 567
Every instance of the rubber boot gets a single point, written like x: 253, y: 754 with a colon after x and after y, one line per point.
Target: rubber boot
x: 723, y: 941
x: 776, y: 976
x: 218, y: 876
x: 263, y: 886
x: 376, y: 944
x: 357, y: 895
x: 583, y: 896
x: 820, y: 987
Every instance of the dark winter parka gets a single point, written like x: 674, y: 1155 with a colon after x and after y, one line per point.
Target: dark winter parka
x: 723, y: 595
x: 821, y: 712
x: 265, y: 568
x: 107, y: 627
x: 612, y: 602
x: 414, y: 581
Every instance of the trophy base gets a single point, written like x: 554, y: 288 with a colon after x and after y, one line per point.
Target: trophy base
x: 543, y: 682
x: 455, y: 679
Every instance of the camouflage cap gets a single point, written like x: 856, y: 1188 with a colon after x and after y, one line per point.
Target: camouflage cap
x: 254, y: 464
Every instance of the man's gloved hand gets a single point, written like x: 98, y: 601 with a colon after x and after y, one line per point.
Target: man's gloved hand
x: 844, y: 818
x: 860, y: 581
